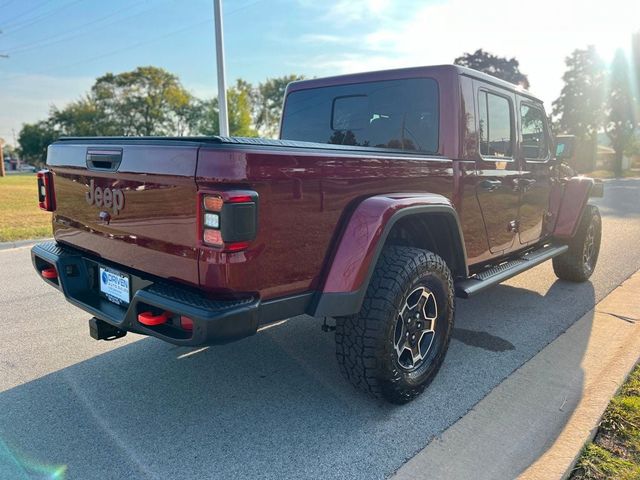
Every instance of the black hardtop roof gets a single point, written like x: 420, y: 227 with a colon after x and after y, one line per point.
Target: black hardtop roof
x: 404, y: 72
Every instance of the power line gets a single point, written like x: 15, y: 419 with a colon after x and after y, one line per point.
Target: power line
x: 113, y: 52
x: 62, y: 37
x: 26, y: 12
x: 39, y: 18
x: 7, y: 3
x: 128, y: 47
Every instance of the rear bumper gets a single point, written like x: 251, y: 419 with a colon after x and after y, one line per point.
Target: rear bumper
x: 214, y: 320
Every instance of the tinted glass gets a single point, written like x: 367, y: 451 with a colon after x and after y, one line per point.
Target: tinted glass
x: 397, y: 114
x: 500, y: 133
x: 534, y: 140
x: 496, y: 134
x: 484, y: 123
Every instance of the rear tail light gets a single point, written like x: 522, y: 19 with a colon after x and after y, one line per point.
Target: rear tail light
x: 229, y: 219
x: 46, y: 195
x: 212, y: 237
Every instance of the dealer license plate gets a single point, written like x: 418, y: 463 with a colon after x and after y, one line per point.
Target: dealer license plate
x: 115, y: 286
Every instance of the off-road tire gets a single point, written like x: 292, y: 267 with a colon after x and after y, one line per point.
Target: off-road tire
x: 366, y: 342
x: 571, y: 265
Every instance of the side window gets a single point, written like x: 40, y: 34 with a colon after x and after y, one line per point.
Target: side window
x: 496, y: 134
x: 484, y: 124
x: 534, y: 139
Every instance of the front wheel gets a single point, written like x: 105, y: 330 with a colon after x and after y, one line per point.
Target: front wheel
x: 578, y: 263
x: 395, y: 345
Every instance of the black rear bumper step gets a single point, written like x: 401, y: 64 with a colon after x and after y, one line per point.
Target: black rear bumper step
x: 214, y: 320
x: 499, y: 273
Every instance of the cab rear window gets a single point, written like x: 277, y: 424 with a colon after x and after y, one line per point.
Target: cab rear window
x: 394, y: 114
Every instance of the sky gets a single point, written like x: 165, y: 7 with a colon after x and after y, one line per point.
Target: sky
x: 57, y: 48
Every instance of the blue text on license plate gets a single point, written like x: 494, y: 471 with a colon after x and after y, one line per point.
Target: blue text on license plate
x: 114, y: 285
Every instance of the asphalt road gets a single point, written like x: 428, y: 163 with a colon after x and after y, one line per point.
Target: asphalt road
x: 271, y: 406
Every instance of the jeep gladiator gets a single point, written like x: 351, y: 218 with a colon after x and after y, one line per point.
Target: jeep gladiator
x: 387, y: 195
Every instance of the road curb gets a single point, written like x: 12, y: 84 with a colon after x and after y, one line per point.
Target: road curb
x: 536, y: 422
x: 22, y: 243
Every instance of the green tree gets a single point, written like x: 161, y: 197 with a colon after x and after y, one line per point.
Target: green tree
x: 507, y: 69
x: 145, y: 101
x: 80, y: 118
x: 635, y: 52
x: 620, y: 124
x: 239, y: 105
x: 34, y: 140
x: 580, y: 108
x: 269, y: 103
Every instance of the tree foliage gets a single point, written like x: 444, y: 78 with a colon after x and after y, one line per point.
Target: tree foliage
x: 34, y: 140
x: 507, y: 69
x: 146, y: 101
x: 150, y: 101
x: 580, y: 108
x: 239, y: 106
x: 635, y: 53
x: 620, y: 123
x: 269, y: 99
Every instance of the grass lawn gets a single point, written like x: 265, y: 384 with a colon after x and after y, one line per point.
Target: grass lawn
x: 20, y: 217
x: 609, y: 174
x: 615, y: 451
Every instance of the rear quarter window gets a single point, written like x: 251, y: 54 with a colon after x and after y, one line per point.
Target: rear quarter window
x: 394, y: 114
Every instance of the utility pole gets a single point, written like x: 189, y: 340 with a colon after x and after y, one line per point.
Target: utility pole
x: 222, y: 84
x: 1, y: 158
x: 15, y: 148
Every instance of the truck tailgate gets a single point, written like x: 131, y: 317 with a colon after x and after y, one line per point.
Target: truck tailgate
x: 132, y: 202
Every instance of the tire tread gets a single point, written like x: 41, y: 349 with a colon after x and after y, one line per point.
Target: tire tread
x: 360, y: 337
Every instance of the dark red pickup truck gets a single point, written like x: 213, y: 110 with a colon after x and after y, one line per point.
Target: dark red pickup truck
x: 388, y: 194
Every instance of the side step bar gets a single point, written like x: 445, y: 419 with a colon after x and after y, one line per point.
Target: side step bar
x: 494, y: 275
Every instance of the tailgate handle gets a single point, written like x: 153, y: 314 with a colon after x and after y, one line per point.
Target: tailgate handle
x: 108, y: 160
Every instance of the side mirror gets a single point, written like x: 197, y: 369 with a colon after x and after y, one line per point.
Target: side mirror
x: 564, y: 147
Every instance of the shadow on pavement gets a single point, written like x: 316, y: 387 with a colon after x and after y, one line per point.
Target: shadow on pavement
x: 270, y: 406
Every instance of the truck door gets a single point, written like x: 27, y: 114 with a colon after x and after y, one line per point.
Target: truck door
x: 535, y: 181
x: 498, y: 170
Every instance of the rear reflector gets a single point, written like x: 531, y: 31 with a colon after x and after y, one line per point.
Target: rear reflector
x: 49, y: 273
x: 150, y: 319
x: 236, y: 246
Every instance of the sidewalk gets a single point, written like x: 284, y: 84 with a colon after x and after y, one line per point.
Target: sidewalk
x: 22, y: 243
x: 535, y: 423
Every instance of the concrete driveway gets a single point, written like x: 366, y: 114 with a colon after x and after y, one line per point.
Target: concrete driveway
x: 271, y: 406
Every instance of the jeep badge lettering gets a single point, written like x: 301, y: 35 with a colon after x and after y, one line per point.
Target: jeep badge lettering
x: 105, y: 197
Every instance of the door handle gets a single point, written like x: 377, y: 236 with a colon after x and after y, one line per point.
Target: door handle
x: 523, y: 184
x: 490, y: 185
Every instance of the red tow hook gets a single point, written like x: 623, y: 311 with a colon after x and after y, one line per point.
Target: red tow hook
x: 149, y: 319
x: 49, y: 273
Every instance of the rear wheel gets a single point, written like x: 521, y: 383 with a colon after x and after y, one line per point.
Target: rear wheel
x: 395, y: 345
x: 577, y: 263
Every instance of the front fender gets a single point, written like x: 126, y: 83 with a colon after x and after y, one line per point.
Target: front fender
x: 361, y: 243
x: 568, y: 210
